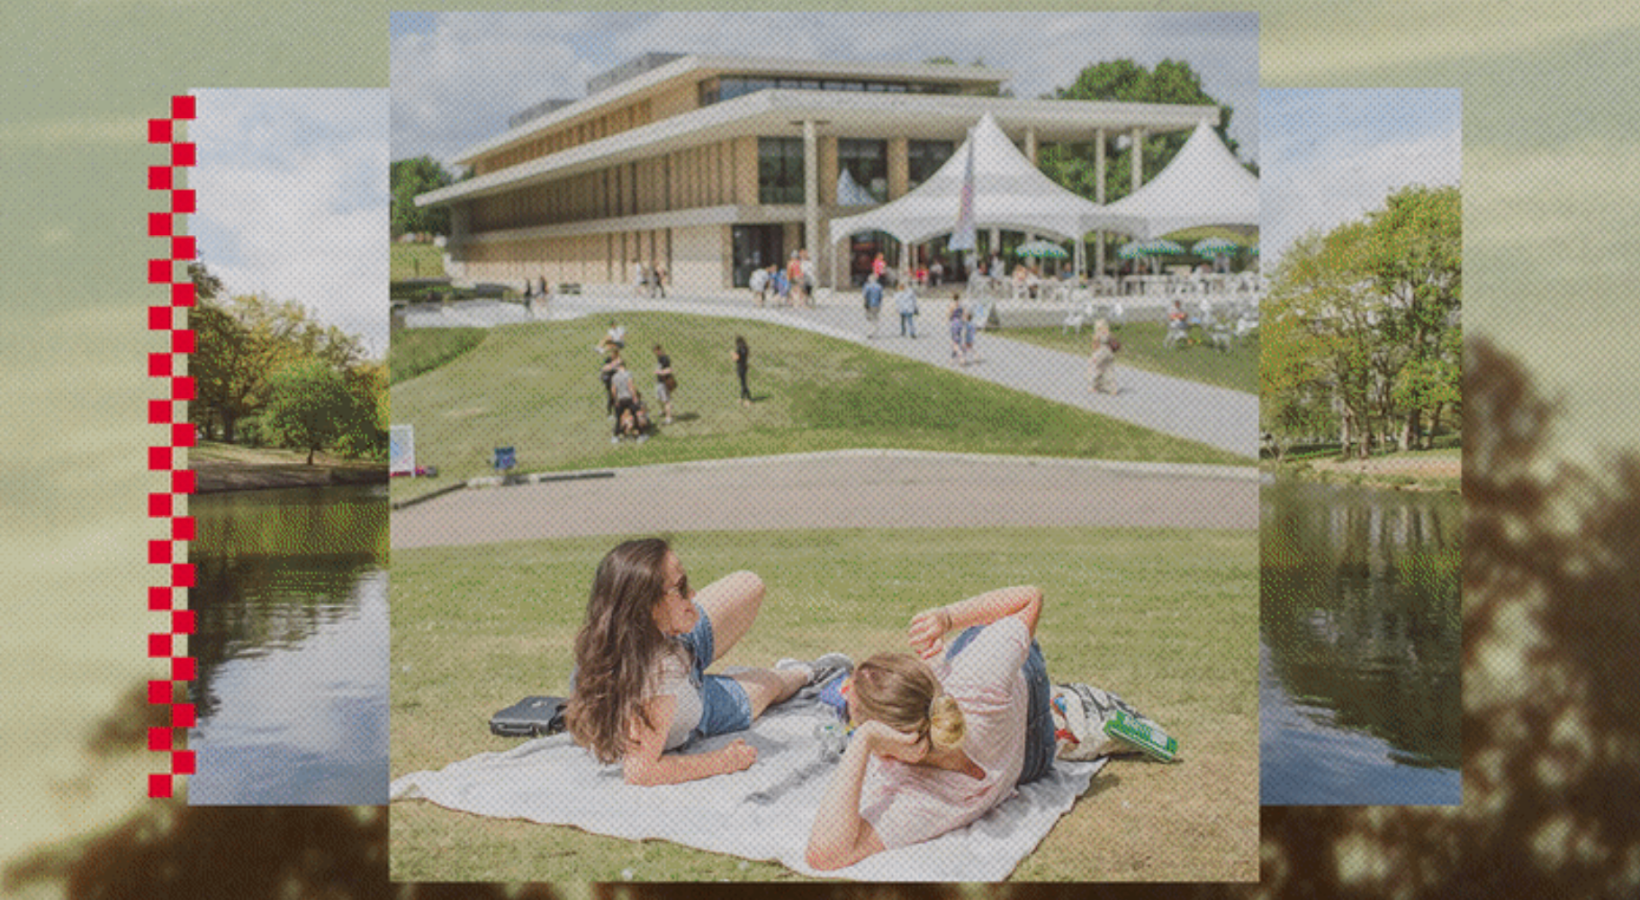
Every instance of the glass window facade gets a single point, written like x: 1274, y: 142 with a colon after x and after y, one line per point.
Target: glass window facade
x: 728, y: 87
x: 779, y: 170
x: 924, y: 158
x: 867, y: 163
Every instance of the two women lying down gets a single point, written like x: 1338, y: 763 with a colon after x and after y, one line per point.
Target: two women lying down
x: 941, y: 735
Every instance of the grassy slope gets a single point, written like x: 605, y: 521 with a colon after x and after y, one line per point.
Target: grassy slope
x: 535, y: 387
x: 1142, y: 348
x: 1167, y: 618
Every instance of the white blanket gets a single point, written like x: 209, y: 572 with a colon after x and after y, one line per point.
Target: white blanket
x: 763, y: 813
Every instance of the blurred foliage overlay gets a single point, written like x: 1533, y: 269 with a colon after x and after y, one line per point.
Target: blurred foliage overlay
x: 1551, y: 738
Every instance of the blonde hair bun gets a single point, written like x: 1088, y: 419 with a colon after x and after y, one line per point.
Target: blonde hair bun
x: 946, y: 726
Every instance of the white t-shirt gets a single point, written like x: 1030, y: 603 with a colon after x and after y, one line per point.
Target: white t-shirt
x: 672, y: 677
x: 907, y: 804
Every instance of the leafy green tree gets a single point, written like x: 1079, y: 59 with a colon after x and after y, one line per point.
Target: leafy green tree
x: 409, y: 177
x: 309, y: 406
x: 1172, y: 81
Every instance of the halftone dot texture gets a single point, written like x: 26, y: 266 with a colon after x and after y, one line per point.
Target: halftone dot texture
x: 176, y: 433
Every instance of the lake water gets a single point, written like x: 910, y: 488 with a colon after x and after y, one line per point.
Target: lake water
x: 1359, y: 646
x: 292, y: 645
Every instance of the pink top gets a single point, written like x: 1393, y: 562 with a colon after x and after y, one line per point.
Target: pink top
x: 907, y: 804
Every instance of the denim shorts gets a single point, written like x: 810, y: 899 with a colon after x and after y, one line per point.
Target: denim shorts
x: 724, y: 706
x: 1039, y: 739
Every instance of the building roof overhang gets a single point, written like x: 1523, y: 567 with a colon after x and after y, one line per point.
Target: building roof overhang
x: 780, y: 112
x: 694, y: 68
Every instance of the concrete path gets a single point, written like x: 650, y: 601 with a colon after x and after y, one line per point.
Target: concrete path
x: 1215, y: 416
x: 846, y: 489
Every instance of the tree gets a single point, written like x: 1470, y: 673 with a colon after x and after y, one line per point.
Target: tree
x: 309, y: 406
x: 1123, y: 80
x: 409, y: 177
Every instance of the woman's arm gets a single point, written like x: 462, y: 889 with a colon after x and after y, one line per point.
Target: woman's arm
x: 645, y: 762
x: 928, y: 628
x: 841, y: 836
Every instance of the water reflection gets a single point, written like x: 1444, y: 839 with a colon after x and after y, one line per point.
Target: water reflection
x: 1359, y: 646
x: 292, y: 644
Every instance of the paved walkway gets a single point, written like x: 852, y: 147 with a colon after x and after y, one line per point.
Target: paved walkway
x: 1216, y: 416
x: 844, y: 489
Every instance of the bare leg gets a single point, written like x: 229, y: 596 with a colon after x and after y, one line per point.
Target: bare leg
x: 765, y: 687
x: 731, y: 602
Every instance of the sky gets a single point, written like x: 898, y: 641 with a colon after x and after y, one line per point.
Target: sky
x: 1331, y: 156
x: 457, y: 77
x: 293, y: 200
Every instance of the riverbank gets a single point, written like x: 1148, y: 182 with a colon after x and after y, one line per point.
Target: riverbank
x: 226, y: 467
x: 1433, y: 470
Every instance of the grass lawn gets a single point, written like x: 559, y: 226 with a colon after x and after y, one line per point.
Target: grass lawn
x: 1166, y: 618
x: 1142, y: 348
x: 415, y: 261
x: 535, y: 387
x: 416, y: 351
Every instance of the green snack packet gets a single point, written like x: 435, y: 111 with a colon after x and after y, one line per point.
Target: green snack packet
x: 1145, y: 735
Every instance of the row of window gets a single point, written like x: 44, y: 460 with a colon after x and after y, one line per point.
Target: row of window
x: 728, y: 87
x: 780, y: 165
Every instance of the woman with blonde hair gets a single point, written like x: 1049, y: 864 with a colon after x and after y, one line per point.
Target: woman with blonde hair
x: 941, y: 736
x: 640, y: 684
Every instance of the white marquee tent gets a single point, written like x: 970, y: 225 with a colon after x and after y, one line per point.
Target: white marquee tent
x: 1009, y: 193
x: 1202, y: 185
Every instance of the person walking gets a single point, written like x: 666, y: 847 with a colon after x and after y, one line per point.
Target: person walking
x: 657, y: 280
x: 874, y: 305
x: 806, y: 268
x: 1101, y: 374
x: 665, y: 383
x: 741, y: 357
x: 794, y: 278
x: 906, y: 302
x: 968, y: 329
x: 637, y: 278
x: 953, y: 318
x: 759, y: 284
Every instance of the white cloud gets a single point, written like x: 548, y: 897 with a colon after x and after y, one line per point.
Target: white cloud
x: 456, y: 83
x: 293, y: 200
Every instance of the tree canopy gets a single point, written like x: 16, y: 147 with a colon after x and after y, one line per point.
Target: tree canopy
x: 409, y: 177
x: 1123, y: 80
x: 1362, y: 325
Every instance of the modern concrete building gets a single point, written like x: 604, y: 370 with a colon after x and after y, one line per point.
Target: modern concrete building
x: 713, y: 166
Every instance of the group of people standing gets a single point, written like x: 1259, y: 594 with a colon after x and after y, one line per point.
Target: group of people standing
x: 650, y: 280
x: 793, y: 285
x: 623, y: 401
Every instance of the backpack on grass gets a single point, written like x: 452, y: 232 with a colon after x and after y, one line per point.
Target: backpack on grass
x: 1090, y: 723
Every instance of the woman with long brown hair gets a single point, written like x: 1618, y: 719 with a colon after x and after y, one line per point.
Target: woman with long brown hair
x: 641, y: 687
x: 941, y: 736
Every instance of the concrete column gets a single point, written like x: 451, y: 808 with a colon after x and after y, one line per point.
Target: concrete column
x: 899, y: 167
x: 1099, y: 196
x: 811, y: 191
x: 1138, y: 151
x: 1030, y: 145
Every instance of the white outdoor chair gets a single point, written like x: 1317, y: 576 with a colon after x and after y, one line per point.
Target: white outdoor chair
x: 1079, y: 316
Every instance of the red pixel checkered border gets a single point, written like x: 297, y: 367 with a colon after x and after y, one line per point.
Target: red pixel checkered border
x: 178, y: 434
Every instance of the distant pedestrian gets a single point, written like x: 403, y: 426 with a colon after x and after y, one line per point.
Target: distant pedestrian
x: 806, y: 268
x: 879, y: 267
x: 759, y: 283
x: 794, y: 279
x: 968, y: 329
x: 625, y: 395
x: 657, y: 280
x: 936, y: 273
x: 637, y: 277
x: 606, y: 374
x: 953, y: 318
x: 906, y: 302
x: 741, y: 357
x: 665, y: 382
x: 1101, y: 367
x: 874, y: 304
